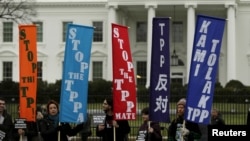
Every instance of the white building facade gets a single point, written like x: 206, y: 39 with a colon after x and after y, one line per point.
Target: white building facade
x: 54, y: 15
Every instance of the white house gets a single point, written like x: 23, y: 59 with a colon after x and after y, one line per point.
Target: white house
x: 53, y: 16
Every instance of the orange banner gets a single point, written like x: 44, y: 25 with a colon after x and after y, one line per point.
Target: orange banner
x: 28, y: 71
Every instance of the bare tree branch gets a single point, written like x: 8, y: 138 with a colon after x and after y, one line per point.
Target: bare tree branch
x: 20, y: 11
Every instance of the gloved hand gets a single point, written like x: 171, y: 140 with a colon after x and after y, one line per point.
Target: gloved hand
x: 59, y: 128
x: 63, y: 127
x: 79, y: 127
x: 184, y: 131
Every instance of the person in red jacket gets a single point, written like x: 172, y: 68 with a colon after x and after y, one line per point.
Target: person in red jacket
x: 149, y: 130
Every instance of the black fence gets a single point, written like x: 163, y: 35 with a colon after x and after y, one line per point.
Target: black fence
x: 234, y: 109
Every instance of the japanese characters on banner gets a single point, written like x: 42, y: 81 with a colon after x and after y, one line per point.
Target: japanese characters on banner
x: 28, y: 71
x: 124, y: 89
x: 204, y: 67
x: 160, y: 71
x: 74, y: 89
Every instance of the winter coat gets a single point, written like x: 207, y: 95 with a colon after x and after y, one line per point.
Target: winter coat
x: 194, y: 130
x: 6, y: 127
x: 108, y: 134
x: 144, y: 135
x: 50, y: 132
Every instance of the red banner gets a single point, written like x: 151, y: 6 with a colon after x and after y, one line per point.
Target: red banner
x: 28, y: 71
x: 124, y: 90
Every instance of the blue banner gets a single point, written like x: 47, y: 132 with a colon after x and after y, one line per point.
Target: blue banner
x: 204, y: 66
x: 160, y: 71
x: 74, y: 89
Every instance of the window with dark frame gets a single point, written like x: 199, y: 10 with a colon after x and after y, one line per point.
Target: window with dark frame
x: 7, y: 31
x: 141, y: 73
x: 7, y: 70
x: 40, y: 70
x: 177, y: 32
x: 39, y: 34
x: 97, y: 70
x: 98, y: 31
x: 64, y: 30
x: 141, y: 32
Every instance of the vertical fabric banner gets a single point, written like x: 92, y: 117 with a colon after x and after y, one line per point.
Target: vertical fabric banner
x: 74, y: 89
x: 124, y: 91
x: 160, y: 71
x: 204, y: 66
x: 28, y: 72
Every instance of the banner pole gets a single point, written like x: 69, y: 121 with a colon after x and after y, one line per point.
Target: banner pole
x: 21, y: 138
x: 114, y: 134
x: 148, y: 129
x: 59, y: 133
x: 183, y: 127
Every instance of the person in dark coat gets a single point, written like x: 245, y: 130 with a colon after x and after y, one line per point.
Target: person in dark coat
x: 50, y: 127
x: 216, y: 118
x: 149, y: 130
x: 105, y: 130
x: 181, y: 129
x: 6, y: 123
x: 86, y: 131
x: 30, y: 133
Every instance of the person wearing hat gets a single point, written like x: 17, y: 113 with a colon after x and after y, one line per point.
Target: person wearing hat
x: 180, y: 129
x: 106, y: 129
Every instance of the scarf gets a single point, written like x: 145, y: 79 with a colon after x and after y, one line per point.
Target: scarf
x: 54, y: 118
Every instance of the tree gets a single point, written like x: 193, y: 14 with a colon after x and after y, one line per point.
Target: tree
x: 20, y: 11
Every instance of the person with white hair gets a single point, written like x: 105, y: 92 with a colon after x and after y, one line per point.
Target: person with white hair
x: 180, y: 129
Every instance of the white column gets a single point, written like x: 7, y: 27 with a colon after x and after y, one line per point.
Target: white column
x: 151, y: 15
x: 111, y: 19
x: 190, y: 35
x: 231, y: 48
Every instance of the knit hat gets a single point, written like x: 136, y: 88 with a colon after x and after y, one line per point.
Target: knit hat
x: 182, y: 101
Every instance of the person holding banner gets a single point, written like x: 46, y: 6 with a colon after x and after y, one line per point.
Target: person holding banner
x: 180, y: 129
x: 25, y: 130
x: 149, y: 130
x: 6, y: 124
x: 86, y: 131
x: 110, y: 128
x: 51, y: 130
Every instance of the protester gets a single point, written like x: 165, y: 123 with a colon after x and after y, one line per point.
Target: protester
x: 43, y: 109
x: 29, y: 133
x: 50, y: 128
x: 149, y: 130
x: 86, y: 131
x: 216, y: 118
x: 6, y: 124
x: 39, y: 117
x: 180, y: 129
x: 106, y: 130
